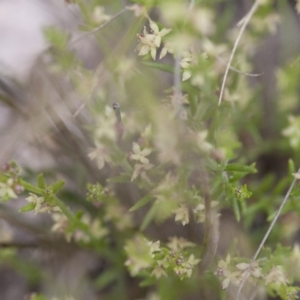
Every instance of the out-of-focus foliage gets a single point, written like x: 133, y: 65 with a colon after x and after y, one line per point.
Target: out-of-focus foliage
x: 174, y: 167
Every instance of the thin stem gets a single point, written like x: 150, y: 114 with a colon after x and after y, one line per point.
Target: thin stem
x: 66, y: 211
x: 177, y: 73
x: 239, y: 71
x: 247, y: 271
x: 192, y: 2
x: 177, y: 84
x: 246, y: 20
x: 97, y: 28
x: 119, y: 127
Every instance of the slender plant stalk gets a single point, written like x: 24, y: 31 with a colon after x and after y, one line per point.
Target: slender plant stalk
x: 97, y: 28
x: 177, y: 73
x: 247, y: 271
x: 245, y: 22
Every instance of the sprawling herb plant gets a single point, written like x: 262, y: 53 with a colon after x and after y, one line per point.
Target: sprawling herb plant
x: 184, y: 195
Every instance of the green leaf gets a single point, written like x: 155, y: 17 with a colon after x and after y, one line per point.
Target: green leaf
x: 57, y: 186
x: 141, y: 203
x: 236, y: 176
x: 106, y: 278
x: 124, y: 177
x: 240, y: 168
x: 159, y: 66
x: 38, y: 297
x: 148, y: 218
x: 79, y: 214
x: 148, y: 281
x: 56, y: 37
x: 236, y: 209
x: 291, y: 166
x: 5, y: 198
x: 28, y: 207
x: 242, y: 193
x: 213, y: 165
x: 41, y: 181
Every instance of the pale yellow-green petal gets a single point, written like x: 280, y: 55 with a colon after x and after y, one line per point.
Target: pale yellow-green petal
x: 136, y: 148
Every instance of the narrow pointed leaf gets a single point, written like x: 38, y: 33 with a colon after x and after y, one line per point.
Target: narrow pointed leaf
x: 41, y: 181
x: 57, y: 186
x: 28, y: 207
x: 142, y: 202
x: 240, y: 168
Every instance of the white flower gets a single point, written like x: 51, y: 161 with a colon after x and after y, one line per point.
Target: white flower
x: 182, y: 215
x: 149, y: 42
x: 202, y: 143
x: 140, y: 170
x: 203, y: 21
x: 158, y: 272
x: 147, y: 132
x: 154, y: 247
x: 168, y: 47
x: 105, y: 125
x: 38, y: 201
x: 298, y: 6
x: 138, y: 10
x: 99, y: 15
x: 158, y: 34
x: 188, y: 59
x: 140, y: 155
x: 97, y: 229
x: 276, y: 276
x: 293, y: 131
x: 6, y: 189
x: 100, y: 154
x: 60, y: 222
x: 223, y: 271
x: 296, y: 175
x: 254, y: 271
x: 192, y: 260
x: 176, y: 244
x: 199, y: 211
x: 119, y: 216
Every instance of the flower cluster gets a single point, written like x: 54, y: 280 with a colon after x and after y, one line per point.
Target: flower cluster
x: 10, y: 185
x: 106, y: 131
x: 39, y: 205
x: 234, y: 273
x: 144, y: 254
x: 150, y: 42
x: 292, y: 132
x: 62, y: 225
x: 263, y: 271
x: 112, y: 211
x: 188, y: 59
x: 143, y: 165
x: 99, y: 16
x: 198, y: 210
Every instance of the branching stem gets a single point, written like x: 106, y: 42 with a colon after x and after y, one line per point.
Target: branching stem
x: 247, y: 271
x: 245, y: 22
x: 98, y: 28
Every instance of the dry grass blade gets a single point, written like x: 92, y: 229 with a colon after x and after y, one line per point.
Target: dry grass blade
x: 247, y: 272
x: 243, y: 27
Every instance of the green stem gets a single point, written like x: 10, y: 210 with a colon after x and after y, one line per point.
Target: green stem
x: 31, y: 188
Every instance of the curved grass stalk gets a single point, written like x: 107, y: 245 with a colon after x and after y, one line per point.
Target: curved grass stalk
x: 98, y: 28
x: 247, y: 271
x: 245, y: 22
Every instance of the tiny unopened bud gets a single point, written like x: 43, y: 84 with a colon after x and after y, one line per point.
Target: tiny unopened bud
x: 106, y: 191
x: 18, y: 188
x: 116, y: 106
x: 5, y: 167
